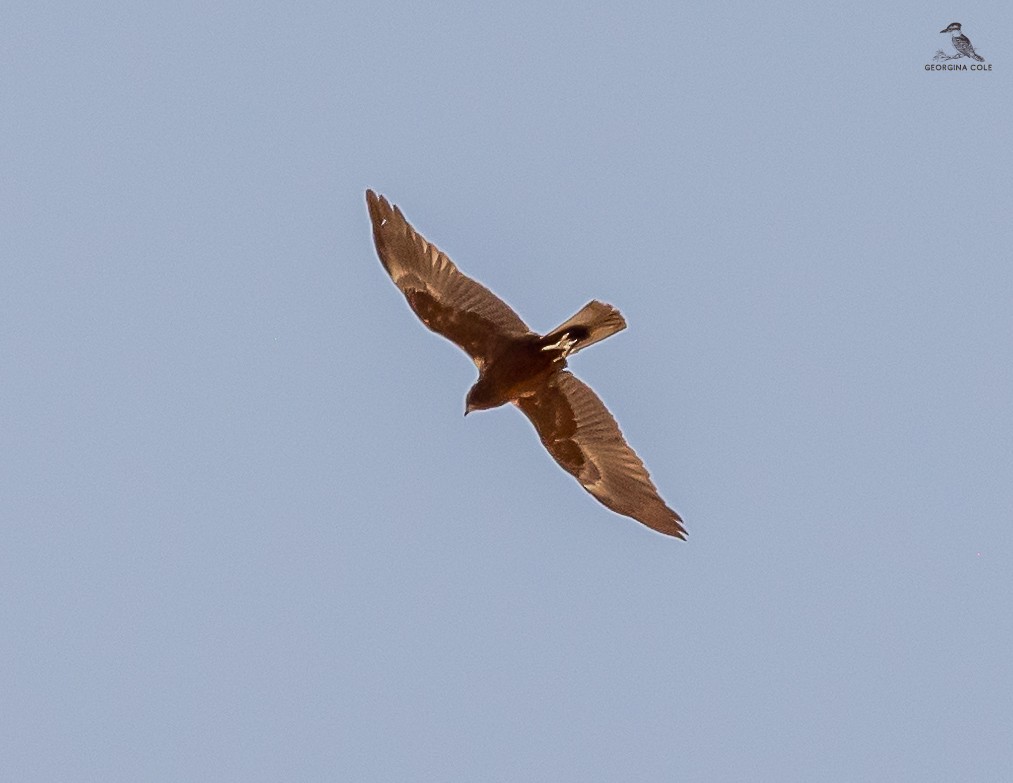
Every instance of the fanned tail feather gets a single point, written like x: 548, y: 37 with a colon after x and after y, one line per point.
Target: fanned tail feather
x: 592, y: 323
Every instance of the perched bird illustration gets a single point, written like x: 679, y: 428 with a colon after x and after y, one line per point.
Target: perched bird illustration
x: 519, y: 366
x: 961, y: 42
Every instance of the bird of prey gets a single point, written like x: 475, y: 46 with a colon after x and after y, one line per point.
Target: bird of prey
x: 519, y: 366
x: 961, y: 42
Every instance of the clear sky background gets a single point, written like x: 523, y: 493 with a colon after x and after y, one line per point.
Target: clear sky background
x: 248, y: 535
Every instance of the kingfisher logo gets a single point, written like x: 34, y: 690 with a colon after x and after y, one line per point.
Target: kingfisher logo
x: 962, y: 50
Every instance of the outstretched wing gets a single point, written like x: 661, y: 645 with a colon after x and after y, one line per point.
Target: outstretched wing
x: 581, y: 435
x: 448, y: 302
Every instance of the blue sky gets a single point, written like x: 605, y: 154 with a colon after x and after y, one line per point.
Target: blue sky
x: 247, y: 534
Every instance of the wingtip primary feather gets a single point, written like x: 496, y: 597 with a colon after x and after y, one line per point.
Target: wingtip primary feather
x: 376, y: 206
x: 671, y: 526
x: 373, y: 201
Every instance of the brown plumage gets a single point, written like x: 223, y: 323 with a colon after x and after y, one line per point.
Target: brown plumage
x: 519, y: 366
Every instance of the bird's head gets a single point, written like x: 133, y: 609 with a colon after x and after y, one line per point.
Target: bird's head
x: 477, y: 399
x: 953, y: 28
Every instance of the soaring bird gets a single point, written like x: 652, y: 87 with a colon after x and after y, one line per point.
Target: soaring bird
x: 961, y: 42
x: 519, y: 366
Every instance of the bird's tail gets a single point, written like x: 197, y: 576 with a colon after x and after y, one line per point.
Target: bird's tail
x: 593, y: 322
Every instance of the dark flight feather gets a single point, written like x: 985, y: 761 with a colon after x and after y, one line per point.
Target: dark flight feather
x: 583, y: 437
x: 448, y: 302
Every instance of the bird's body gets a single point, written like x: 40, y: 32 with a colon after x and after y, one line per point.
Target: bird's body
x: 519, y: 366
x: 961, y: 42
x: 518, y: 370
